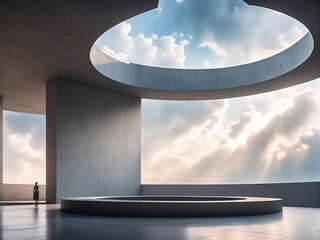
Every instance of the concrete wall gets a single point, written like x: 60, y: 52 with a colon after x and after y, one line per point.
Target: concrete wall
x: 93, y: 141
x: 293, y: 194
x: 1, y: 148
x: 22, y: 192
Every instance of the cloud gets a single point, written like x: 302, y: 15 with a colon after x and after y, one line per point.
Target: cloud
x: 153, y: 50
x: 238, y: 127
x: 223, y: 33
x: 184, y: 42
x: 278, y: 142
x: 24, y: 148
x: 236, y: 33
x: 21, y: 143
x: 23, y: 123
x: 162, y: 121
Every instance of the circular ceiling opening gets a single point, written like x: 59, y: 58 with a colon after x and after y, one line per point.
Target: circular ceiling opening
x: 201, y: 34
x: 220, y: 48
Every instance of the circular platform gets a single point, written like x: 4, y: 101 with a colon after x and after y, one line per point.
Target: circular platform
x: 171, y: 206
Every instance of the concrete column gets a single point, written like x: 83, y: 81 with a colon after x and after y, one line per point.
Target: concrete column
x: 1, y: 148
x: 93, y: 141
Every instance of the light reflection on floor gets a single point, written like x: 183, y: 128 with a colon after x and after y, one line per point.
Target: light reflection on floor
x: 47, y: 222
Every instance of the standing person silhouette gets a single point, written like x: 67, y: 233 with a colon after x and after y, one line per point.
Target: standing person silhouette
x: 36, y: 193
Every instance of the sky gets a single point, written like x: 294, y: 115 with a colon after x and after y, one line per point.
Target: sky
x: 270, y: 137
x: 23, y: 148
x: 201, y: 34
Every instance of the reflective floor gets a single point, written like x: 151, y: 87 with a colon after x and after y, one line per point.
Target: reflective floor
x: 47, y: 222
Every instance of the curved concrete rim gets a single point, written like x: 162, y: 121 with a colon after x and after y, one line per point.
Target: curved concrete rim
x: 199, y: 80
x: 127, y: 207
x: 171, y: 199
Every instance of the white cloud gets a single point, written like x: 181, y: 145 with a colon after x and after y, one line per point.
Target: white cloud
x: 23, y: 148
x: 237, y: 34
x: 120, y: 56
x: 215, y: 48
x: 269, y: 142
x: 234, y: 33
x: 184, y: 42
x: 119, y: 39
x: 161, y: 51
x: 291, y: 35
x: 223, y: 55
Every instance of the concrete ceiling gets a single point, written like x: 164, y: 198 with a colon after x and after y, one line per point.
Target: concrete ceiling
x: 43, y: 39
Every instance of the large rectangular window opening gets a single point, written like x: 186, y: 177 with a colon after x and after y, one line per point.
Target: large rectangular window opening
x: 264, y: 138
x: 24, y: 143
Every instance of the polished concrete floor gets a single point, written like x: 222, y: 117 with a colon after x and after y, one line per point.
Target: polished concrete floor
x: 47, y: 222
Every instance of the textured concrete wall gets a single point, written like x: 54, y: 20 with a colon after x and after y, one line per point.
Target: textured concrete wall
x: 1, y: 148
x: 293, y: 194
x: 22, y: 192
x: 93, y: 141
